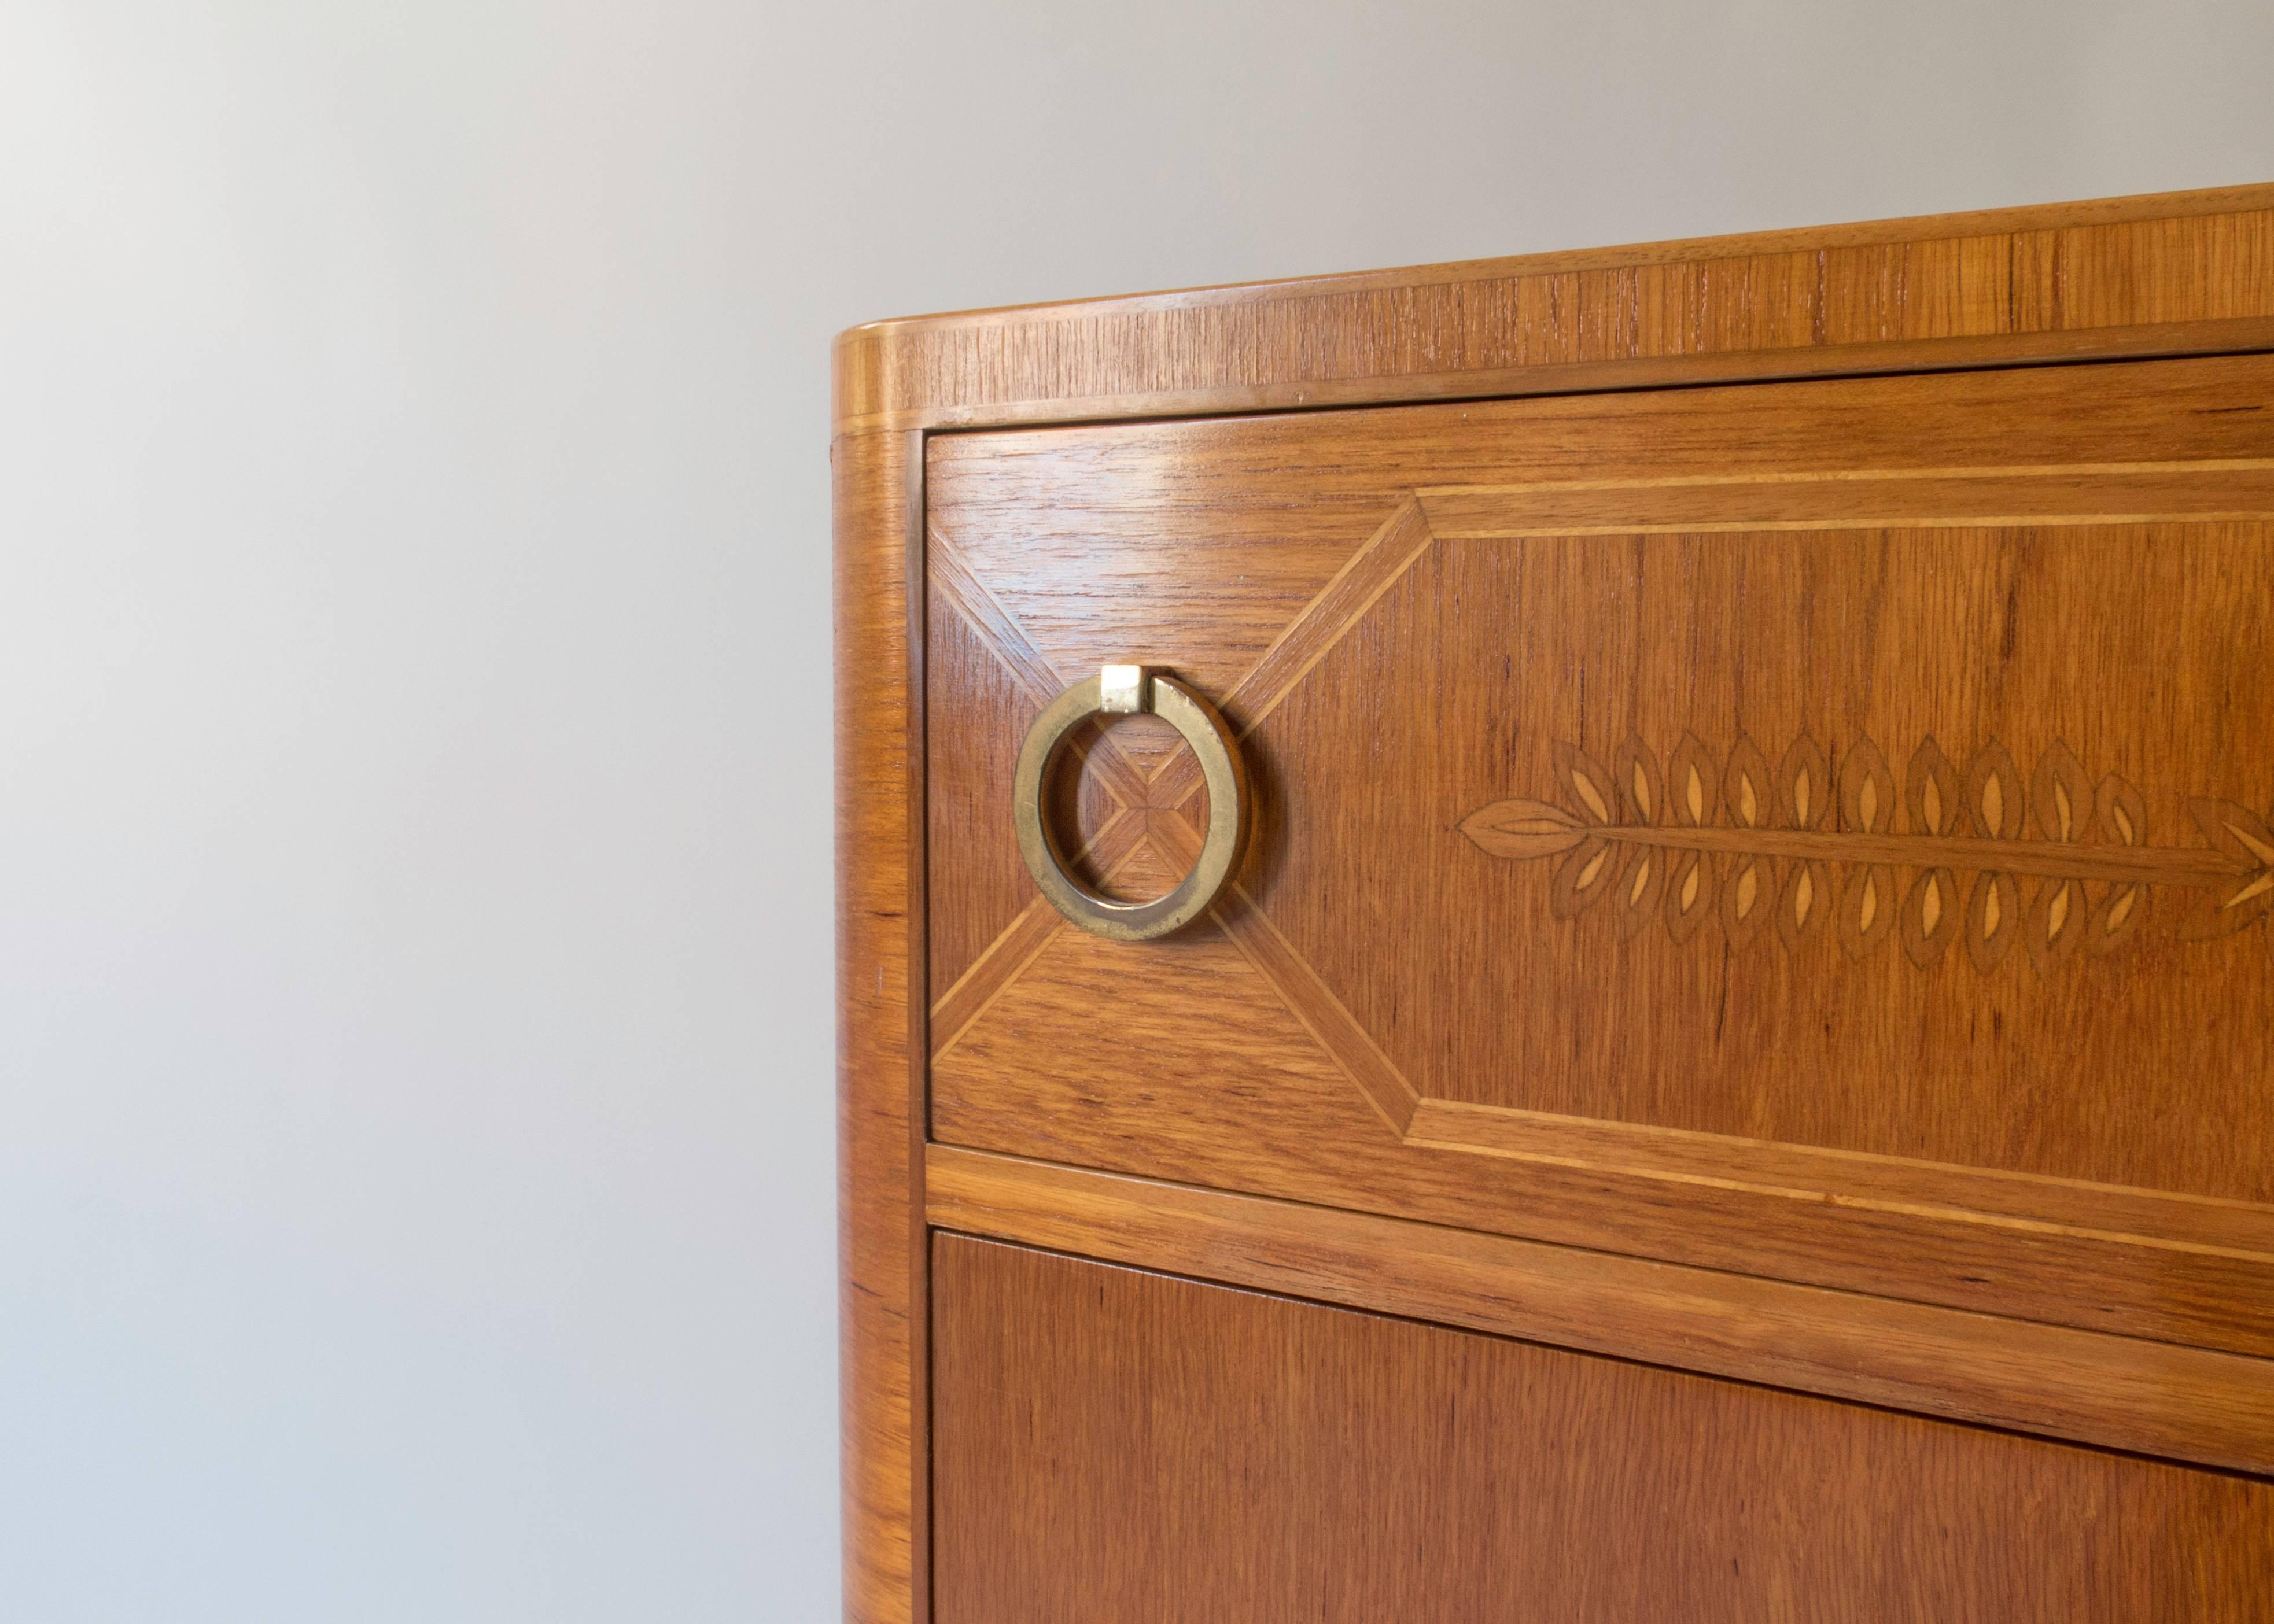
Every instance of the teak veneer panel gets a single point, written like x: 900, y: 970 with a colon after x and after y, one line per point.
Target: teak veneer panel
x: 2080, y: 1137
x: 1036, y: 1080
x: 2117, y: 1392
x: 2189, y: 273
x: 1923, y: 654
x: 1112, y: 1445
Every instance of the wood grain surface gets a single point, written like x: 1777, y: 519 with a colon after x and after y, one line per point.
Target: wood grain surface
x: 1925, y: 1092
x: 2183, y: 274
x: 879, y: 1026
x: 2118, y: 1391
x: 1115, y: 1446
x: 976, y: 572
x: 1231, y: 1091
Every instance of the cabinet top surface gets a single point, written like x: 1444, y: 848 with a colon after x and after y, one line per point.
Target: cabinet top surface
x: 2175, y: 273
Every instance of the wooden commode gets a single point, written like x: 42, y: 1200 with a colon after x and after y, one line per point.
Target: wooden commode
x: 1582, y: 937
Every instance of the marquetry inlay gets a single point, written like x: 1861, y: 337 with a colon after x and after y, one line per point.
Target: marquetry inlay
x: 1481, y: 616
x: 1804, y: 846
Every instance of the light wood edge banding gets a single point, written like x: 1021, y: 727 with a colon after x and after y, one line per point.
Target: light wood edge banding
x: 2027, y: 474
x: 1319, y: 1012
x: 2086, y: 1387
x: 1020, y: 942
x: 1369, y: 572
x: 1942, y: 499
x: 2114, y: 1215
x: 1000, y: 632
x: 1355, y: 588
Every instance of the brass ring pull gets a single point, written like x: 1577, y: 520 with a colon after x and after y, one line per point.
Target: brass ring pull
x: 1124, y: 690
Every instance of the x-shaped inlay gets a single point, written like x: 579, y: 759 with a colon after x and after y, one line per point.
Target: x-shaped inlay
x: 1145, y: 819
x: 1148, y: 807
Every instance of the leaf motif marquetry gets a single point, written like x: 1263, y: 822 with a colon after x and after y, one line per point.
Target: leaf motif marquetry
x: 1641, y: 871
x: 1867, y: 805
x: 1754, y: 883
x: 2236, y: 869
x: 1692, y: 882
x: 1993, y: 918
x: 1688, y: 839
x: 2246, y: 838
x: 2123, y: 820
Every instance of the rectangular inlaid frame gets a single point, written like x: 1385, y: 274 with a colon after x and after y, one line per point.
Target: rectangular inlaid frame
x: 893, y: 383
x: 1527, y: 832
x: 2012, y: 1244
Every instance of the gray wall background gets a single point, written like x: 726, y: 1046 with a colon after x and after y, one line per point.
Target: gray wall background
x: 416, y: 1175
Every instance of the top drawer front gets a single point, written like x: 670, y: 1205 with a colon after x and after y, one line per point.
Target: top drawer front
x: 1819, y: 830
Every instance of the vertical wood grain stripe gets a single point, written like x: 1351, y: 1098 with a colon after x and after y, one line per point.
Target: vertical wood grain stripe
x: 2116, y: 1392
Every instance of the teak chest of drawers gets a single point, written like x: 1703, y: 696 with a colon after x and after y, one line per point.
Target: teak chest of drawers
x: 1709, y: 1053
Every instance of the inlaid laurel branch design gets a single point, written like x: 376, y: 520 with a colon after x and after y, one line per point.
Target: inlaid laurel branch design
x: 1803, y: 847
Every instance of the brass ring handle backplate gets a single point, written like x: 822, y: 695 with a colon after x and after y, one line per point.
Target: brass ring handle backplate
x: 1121, y: 690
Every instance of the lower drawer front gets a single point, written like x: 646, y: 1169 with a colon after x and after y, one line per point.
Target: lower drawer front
x: 1110, y: 1447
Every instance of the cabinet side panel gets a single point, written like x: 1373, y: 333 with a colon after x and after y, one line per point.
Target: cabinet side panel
x: 879, y: 1203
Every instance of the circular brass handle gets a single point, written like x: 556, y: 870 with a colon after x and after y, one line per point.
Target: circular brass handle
x: 1121, y: 690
